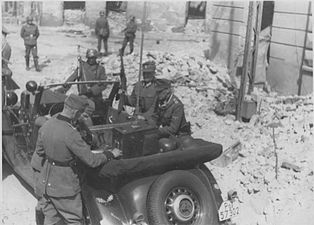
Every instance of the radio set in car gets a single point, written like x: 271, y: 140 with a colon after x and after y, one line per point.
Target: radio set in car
x: 135, y: 140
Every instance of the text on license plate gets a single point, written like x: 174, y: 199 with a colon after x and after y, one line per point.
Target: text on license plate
x: 228, y: 210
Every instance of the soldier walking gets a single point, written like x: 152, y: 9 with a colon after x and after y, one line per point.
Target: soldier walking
x: 102, y: 31
x: 30, y: 34
x: 129, y: 35
x: 59, y: 149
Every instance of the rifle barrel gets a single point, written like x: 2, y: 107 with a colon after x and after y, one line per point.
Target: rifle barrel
x: 81, y: 82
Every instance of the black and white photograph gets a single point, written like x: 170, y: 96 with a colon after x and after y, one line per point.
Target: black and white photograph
x: 157, y: 113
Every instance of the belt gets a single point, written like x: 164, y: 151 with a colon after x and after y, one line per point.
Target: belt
x: 69, y: 163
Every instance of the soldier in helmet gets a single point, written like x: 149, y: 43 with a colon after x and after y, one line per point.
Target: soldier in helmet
x: 30, y: 34
x: 102, y: 31
x: 129, y: 35
x: 146, y: 89
x: 88, y: 71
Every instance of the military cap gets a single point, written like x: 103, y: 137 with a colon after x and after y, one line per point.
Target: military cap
x: 76, y: 102
x: 5, y: 30
x: 149, y: 67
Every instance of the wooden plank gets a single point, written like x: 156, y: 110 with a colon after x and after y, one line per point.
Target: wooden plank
x: 293, y: 6
x: 288, y: 36
x: 290, y: 21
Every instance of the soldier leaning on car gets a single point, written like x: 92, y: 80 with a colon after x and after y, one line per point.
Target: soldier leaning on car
x: 169, y: 115
x: 102, y: 31
x: 6, y: 72
x: 59, y: 148
x: 146, y: 89
x: 88, y: 71
x: 30, y: 34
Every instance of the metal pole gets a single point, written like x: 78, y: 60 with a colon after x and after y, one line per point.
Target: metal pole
x: 137, y: 109
x: 246, y: 59
x: 304, y: 48
x: 258, y: 24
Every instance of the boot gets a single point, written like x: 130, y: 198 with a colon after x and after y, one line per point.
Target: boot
x: 36, y: 65
x: 40, y: 217
x: 27, y: 63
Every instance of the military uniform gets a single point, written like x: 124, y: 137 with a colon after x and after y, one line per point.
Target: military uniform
x: 88, y: 73
x: 129, y: 36
x: 30, y: 34
x: 171, y: 118
x: 102, y: 31
x: 147, y: 93
x: 60, y: 145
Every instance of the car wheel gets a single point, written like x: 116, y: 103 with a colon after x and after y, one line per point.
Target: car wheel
x: 180, y: 198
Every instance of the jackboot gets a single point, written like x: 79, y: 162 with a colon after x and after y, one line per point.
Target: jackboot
x: 36, y: 65
x: 27, y: 63
x: 40, y: 217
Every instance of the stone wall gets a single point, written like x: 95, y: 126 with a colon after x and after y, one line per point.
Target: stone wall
x: 52, y: 13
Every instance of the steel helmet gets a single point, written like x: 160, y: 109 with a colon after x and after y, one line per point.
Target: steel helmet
x: 90, y: 53
x: 29, y: 18
x: 149, y: 67
x: 102, y: 12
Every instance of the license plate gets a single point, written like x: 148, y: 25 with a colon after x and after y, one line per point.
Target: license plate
x: 228, y: 210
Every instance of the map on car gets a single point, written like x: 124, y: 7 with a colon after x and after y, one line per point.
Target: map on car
x: 228, y: 210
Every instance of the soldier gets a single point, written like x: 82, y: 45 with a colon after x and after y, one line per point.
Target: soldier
x: 30, y: 34
x: 146, y: 89
x: 6, y: 55
x: 59, y: 148
x: 129, y: 35
x: 102, y: 31
x: 170, y: 116
x: 88, y: 71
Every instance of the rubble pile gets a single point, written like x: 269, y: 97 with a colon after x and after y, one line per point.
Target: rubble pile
x: 253, y: 174
x: 117, y: 21
x: 197, y: 81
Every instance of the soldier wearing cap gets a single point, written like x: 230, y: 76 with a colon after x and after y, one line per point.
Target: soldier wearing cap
x: 170, y: 116
x: 88, y: 71
x: 146, y: 89
x: 129, y: 35
x: 59, y: 148
x: 102, y: 31
x: 7, y: 82
x: 30, y: 34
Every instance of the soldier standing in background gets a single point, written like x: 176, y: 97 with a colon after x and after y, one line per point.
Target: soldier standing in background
x: 129, y: 35
x: 102, y: 31
x: 30, y: 34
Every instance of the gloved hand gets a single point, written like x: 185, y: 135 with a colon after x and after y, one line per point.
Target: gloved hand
x: 95, y: 90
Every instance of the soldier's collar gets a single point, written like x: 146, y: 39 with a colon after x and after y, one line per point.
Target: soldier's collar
x: 64, y: 118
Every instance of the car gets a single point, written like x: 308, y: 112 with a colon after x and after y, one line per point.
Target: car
x: 146, y: 186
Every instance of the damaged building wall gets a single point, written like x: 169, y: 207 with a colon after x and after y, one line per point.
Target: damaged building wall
x: 52, y: 13
x: 92, y: 9
x: 287, y: 43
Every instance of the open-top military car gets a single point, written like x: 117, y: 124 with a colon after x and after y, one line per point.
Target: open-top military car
x: 146, y: 186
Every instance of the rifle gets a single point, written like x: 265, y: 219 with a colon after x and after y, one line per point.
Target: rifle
x: 80, y: 83
x: 123, y: 86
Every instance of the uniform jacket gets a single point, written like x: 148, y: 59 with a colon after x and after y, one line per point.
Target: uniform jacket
x: 130, y: 29
x: 30, y: 33
x: 102, y: 27
x: 88, y: 73
x: 59, y: 141
x: 172, y: 119
x: 147, y: 93
x: 6, y: 71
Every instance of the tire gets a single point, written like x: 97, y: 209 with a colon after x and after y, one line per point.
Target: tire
x: 180, y: 198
